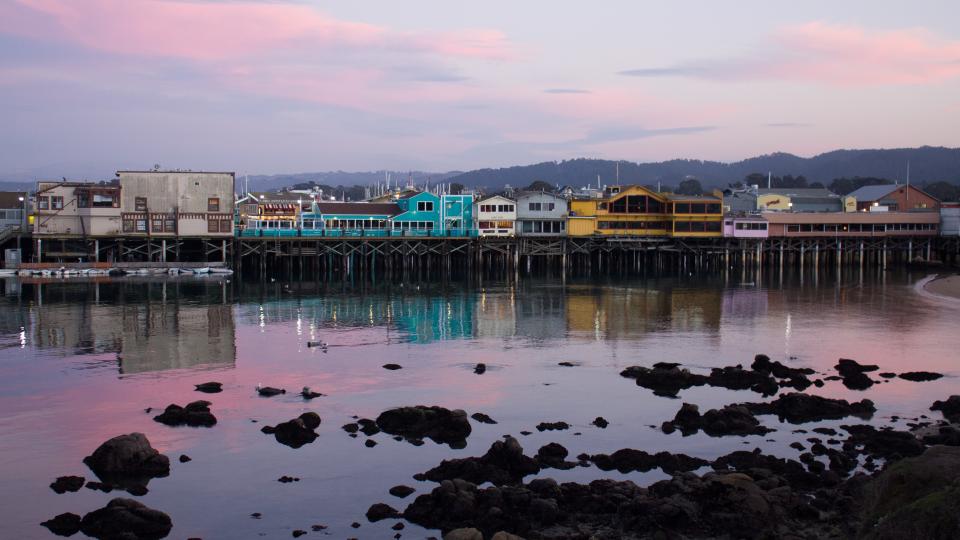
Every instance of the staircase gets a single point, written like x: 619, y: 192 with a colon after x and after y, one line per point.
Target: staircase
x: 8, y: 232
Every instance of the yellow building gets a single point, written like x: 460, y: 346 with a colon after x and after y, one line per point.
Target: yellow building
x: 637, y: 211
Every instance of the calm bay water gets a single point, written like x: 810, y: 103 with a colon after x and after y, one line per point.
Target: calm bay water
x: 81, y: 360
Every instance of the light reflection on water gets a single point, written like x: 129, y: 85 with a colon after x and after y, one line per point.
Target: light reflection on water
x: 80, y: 361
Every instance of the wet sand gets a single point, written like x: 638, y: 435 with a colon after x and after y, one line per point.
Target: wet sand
x: 945, y: 286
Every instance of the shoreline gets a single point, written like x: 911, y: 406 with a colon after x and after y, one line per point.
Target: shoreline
x: 943, y: 286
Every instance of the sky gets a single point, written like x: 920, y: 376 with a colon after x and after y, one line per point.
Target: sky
x: 262, y: 87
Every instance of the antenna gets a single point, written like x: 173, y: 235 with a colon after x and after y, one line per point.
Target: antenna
x: 618, y: 173
x: 908, y: 180
x: 769, y: 175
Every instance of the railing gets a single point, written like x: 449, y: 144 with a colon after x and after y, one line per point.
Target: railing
x: 357, y: 233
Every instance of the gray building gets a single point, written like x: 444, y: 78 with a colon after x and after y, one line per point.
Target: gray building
x: 540, y: 213
x: 800, y: 199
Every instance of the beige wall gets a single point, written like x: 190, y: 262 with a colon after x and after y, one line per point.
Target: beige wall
x: 772, y: 201
x: 72, y: 220
x: 186, y: 193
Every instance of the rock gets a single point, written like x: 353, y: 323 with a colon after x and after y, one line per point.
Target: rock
x: 503, y: 463
x: 297, y: 432
x: 916, y: 497
x: 66, y: 524
x: 127, y: 457
x: 381, y: 511
x: 463, y: 534
x: 287, y: 479
x: 566, y: 364
x: 950, y: 408
x: 552, y: 426
x: 798, y: 408
x: 185, y: 458
x: 209, y: 387
x: 854, y: 374
x: 137, y: 490
x: 885, y: 443
x: 737, y: 378
x: 351, y: 427
x: 369, y: 443
x: 601, y: 422
x: 629, y: 460
x: 920, y: 376
x: 297, y: 533
x: 825, y: 431
x: 64, y: 484
x: 664, y: 379
x: 554, y: 455
x: 309, y: 394
x: 482, y: 418
x: 392, y: 367
x: 398, y: 526
x: 480, y: 369
x: 126, y: 519
x: 368, y: 427
x: 269, y: 391
x: 794, y: 377
x: 401, y: 491
x: 730, y: 420
x: 501, y: 535
x: 99, y: 486
x: 438, y: 424
x: 195, y: 414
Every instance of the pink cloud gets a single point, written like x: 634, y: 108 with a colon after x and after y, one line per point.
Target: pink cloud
x: 832, y: 54
x: 214, y: 31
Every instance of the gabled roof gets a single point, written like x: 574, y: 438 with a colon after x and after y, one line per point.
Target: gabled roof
x: 359, y: 208
x: 492, y: 197
x: 873, y: 193
x: 522, y: 194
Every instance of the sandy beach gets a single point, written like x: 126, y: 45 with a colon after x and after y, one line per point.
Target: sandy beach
x: 945, y: 286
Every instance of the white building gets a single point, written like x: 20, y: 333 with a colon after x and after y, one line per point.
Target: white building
x: 495, y: 216
x: 540, y: 213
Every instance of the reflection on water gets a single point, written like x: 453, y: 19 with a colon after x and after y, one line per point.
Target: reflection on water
x: 81, y: 360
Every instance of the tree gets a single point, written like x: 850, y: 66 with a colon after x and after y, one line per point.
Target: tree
x: 817, y: 185
x: 944, y: 191
x: 843, y: 186
x: 690, y: 186
x: 540, y: 185
x: 456, y: 188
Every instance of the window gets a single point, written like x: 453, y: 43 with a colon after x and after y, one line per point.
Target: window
x: 226, y: 225
x: 104, y: 201
x: 534, y: 206
x: 170, y: 225
x: 618, y: 206
x: 505, y: 208
x: 56, y: 202
x: 83, y: 199
x: 681, y: 208
x: 43, y: 203
x: 425, y: 206
x: 140, y: 204
x: 128, y: 226
x: 156, y: 224
x: 212, y: 226
x: 141, y: 225
x: 213, y: 205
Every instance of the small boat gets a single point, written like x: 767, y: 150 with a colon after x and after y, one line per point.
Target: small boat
x: 202, y: 270
x: 173, y: 271
x: 6, y: 272
x: 220, y: 270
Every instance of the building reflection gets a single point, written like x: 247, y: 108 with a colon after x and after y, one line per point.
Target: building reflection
x: 147, y: 325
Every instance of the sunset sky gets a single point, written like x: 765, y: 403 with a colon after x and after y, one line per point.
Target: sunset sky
x: 89, y: 86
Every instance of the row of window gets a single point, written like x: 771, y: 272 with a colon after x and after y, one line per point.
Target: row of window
x: 634, y: 204
x: 425, y: 206
x: 413, y: 225
x: 167, y: 225
x: 486, y: 225
x: 99, y: 200
x: 10, y: 215
x: 54, y: 202
x: 543, y: 227
x: 633, y: 225
x: 496, y: 208
x: 751, y: 226
x: 541, y: 207
x: 696, y: 226
x: 862, y: 227
x: 356, y: 223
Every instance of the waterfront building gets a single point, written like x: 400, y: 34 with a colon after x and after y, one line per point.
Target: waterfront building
x: 353, y: 218
x: 893, y: 198
x: 950, y: 219
x: 177, y: 203
x: 495, y: 216
x: 852, y: 224
x: 541, y: 213
x: 638, y: 211
x: 77, y: 209
x: 277, y: 212
x: 746, y: 226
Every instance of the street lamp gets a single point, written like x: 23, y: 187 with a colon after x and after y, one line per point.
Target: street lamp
x: 23, y: 212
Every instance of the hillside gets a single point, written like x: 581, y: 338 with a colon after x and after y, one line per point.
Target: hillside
x: 927, y: 164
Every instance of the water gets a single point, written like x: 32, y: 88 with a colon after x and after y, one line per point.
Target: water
x: 80, y: 361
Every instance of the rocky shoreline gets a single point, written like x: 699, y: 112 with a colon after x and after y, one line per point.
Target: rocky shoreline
x: 858, y: 481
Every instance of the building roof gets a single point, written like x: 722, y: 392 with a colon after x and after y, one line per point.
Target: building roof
x: 359, y: 208
x: 522, y: 194
x: 11, y: 199
x: 166, y: 171
x: 262, y: 196
x: 873, y: 193
x: 852, y: 217
x: 798, y: 192
x: 492, y: 197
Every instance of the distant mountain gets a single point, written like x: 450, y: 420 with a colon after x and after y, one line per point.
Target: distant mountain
x: 927, y: 164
